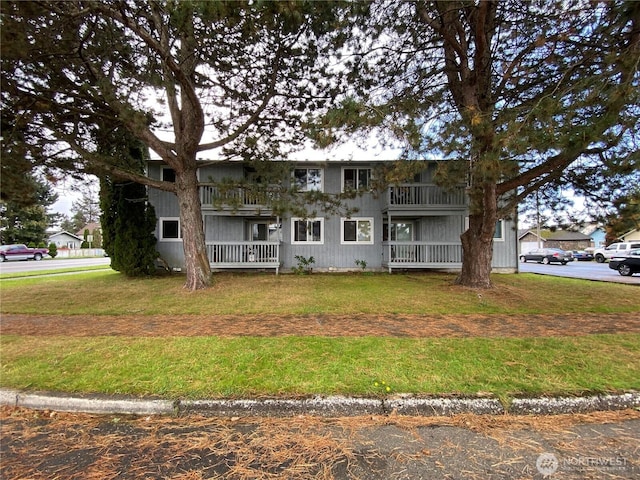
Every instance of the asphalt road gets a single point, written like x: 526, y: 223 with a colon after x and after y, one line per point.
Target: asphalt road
x: 51, y: 264
x: 586, y: 270
x: 596, y: 446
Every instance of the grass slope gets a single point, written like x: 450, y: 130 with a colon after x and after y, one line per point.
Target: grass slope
x: 110, y: 293
x: 198, y: 367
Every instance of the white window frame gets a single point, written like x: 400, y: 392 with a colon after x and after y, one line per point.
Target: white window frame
x: 308, y: 220
x: 356, y: 241
x: 306, y: 188
x: 391, y: 232
x: 273, y: 230
x: 161, y: 237
x: 357, y: 169
x: 256, y: 223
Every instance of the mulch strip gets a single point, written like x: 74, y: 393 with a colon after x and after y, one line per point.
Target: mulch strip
x: 420, y: 326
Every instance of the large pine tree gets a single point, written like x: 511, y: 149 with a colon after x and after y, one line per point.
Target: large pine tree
x: 513, y: 94
x: 24, y: 218
x: 238, y: 80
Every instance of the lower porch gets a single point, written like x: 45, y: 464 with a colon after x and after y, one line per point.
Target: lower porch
x: 245, y: 255
x: 395, y: 254
x: 421, y: 255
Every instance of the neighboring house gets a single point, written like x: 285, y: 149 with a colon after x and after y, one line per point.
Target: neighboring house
x: 567, y: 240
x: 94, y: 235
x: 632, y: 235
x: 65, y: 240
x: 597, y: 235
x: 413, y: 225
x: 564, y: 239
x: 528, y: 240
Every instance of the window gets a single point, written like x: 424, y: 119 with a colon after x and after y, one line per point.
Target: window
x: 259, y: 232
x: 357, y: 230
x: 308, y: 179
x: 170, y: 229
x: 400, y: 232
x: 498, y: 233
x: 168, y: 175
x: 356, y: 179
x: 307, y: 231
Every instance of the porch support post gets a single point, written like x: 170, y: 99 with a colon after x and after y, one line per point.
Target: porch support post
x: 389, y: 239
x: 279, y: 226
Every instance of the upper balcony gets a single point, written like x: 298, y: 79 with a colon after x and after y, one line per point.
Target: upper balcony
x: 420, y: 198
x: 406, y: 199
x: 237, y: 200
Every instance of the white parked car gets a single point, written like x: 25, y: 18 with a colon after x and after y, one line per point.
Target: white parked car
x: 620, y: 249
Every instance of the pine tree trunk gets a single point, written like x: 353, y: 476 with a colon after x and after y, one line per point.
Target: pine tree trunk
x: 193, y: 240
x: 477, y: 241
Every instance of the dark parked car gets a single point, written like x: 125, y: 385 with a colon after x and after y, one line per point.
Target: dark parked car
x: 627, y: 265
x: 547, y: 255
x: 582, y: 256
x: 21, y: 252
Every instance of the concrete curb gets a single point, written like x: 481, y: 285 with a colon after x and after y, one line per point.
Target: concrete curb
x: 86, y: 404
x: 554, y: 406
x: 330, y: 406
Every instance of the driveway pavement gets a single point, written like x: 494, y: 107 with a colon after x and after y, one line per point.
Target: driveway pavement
x: 585, y: 270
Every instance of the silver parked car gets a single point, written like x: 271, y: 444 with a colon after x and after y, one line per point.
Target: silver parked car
x: 547, y: 255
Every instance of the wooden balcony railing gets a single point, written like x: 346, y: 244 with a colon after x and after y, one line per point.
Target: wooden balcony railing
x: 421, y: 195
x: 402, y: 196
x: 244, y: 254
x: 211, y: 196
x: 422, y: 255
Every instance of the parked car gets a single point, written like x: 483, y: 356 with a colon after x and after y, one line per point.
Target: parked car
x: 619, y: 249
x: 627, y: 265
x: 582, y: 255
x: 21, y: 252
x: 547, y: 255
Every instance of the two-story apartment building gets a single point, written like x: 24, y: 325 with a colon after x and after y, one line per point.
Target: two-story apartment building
x: 414, y: 225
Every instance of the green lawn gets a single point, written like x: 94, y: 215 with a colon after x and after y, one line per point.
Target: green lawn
x: 55, y: 271
x: 110, y: 293
x: 199, y: 367
x: 204, y: 367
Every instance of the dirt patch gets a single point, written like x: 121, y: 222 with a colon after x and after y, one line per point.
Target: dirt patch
x: 454, y: 326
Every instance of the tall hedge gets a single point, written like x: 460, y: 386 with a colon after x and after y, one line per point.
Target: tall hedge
x: 128, y: 223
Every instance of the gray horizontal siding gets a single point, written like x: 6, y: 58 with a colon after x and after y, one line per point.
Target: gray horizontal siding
x: 505, y: 251
x: 332, y: 253
x: 434, y: 226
